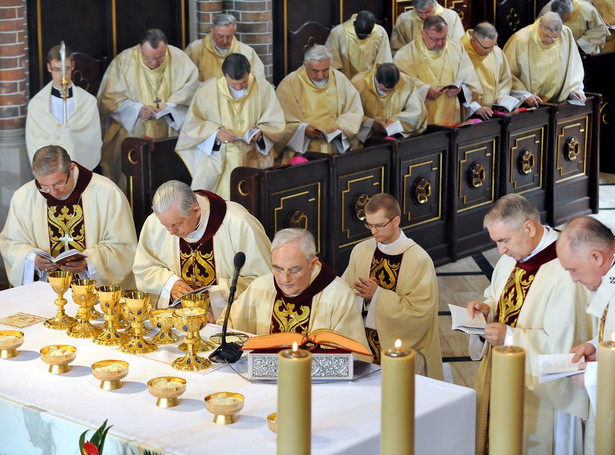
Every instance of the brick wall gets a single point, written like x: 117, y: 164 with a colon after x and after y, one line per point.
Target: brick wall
x: 13, y: 64
x: 254, y: 24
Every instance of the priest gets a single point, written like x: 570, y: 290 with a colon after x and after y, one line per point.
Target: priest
x: 531, y: 303
x: 145, y: 92
x: 545, y: 63
x: 67, y: 207
x: 396, y: 287
x: 209, y: 53
x: 189, y: 242
x: 358, y: 44
x: 443, y: 71
x: 301, y: 295
x: 80, y: 134
x: 233, y: 121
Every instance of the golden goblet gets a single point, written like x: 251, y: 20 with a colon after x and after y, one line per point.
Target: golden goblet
x: 163, y: 319
x: 84, y: 295
x: 58, y: 356
x: 109, y: 297
x: 196, y: 301
x: 167, y: 389
x: 272, y: 422
x: 10, y: 340
x: 60, y: 282
x: 109, y: 372
x: 190, y: 320
x: 138, y: 307
x: 224, y: 406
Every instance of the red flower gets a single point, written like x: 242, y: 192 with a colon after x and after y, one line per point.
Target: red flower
x: 89, y: 449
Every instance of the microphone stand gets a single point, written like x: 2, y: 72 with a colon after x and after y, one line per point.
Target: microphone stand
x: 229, y: 352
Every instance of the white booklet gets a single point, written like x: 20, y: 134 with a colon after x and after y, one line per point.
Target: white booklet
x: 555, y: 366
x: 463, y: 322
x: 507, y: 104
x: 166, y: 111
x: 63, y: 257
x: 247, y: 138
x: 330, y: 136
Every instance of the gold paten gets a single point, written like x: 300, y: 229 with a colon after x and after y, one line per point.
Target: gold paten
x: 109, y: 380
x: 8, y: 348
x: 224, y: 414
x: 58, y: 364
x: 167, y: 397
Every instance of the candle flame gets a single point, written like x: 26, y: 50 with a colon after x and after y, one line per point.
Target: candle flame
x: 397, y: 343
x: 508, y: 341
x: 613, y: 337
x: 295, y: 347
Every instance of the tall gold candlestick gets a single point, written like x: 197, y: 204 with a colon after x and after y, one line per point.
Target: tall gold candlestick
x: 397, y: 407
x: 506, y: 402
x: 605, y: 409
x: 294, y: 401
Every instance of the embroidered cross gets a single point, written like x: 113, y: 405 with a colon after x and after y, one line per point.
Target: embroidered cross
x: 66, y: 239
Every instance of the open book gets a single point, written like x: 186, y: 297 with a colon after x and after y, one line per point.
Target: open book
x: 248, y: 136
x: 317, y: 338
x: 166, y: 111
x: 63, y: 257
x: 178, y: 300
x: 555, y: 366
x: 330, y: 136
x: 507, y: 104
x: 463, y: 322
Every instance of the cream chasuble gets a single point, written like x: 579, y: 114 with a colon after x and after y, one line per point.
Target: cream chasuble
x: 352, y: 55
x: 209, y: 60
x: 335, y: 105
x: 450, y: 66
x: 492, y: 71
x: 127, y: 85
x: 550, y: 320
x: 410, y: 312
x: 588, y: 28
x: 408, y: 27
x: 158, y: 254
x: 213, y: 108
x: 333, y: 308
x: 110, y: 238
x: 404, y: 103
x: 606, y: 8
x: 80, y: 137
x: 551, y: 72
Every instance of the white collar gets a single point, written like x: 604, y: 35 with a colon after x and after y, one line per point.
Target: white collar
x: 398, y: 246
x: 196, y: 235
x: 549, y: 236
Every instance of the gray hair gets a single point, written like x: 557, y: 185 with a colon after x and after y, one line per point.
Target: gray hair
x: 585, y: 231
x: 317, y: 53
x: 485, y: 30
x: 174, y: 194
x: 513, y: 210
x: 561, y: 7
x: 222, y: 20
x: 551, y: 22
x: 305, y: 238
x: 437, y: 23
x: 423, y: 4
x: 50, y: 159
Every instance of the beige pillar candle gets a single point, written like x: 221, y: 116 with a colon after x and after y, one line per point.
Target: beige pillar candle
x: 605, y: 409
x: 506, y: 402
x: 294, y: 420
x: 397, y: 407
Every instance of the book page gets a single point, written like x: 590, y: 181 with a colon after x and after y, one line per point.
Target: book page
x: 330, y: 136
x: 461, y: 320
x: 556, y: 363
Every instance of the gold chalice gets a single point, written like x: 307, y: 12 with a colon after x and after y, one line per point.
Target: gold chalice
x: 58, y: 356
x: 166, y: 389
x: 197, y: 301
x: 272, y: 422
x: 109, y: 296
x: 190, y: 320
x: 163, y: 319
x: 109, y: 372
x: 84, y: 295
x: 10, y: 340
x: 224, y: 406
x: 60, y: 282
x: 137, y: 305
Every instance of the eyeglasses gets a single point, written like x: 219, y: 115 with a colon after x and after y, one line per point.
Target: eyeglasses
x: 436, y: 40
x: 377, y: 226
x: 55, y: 69
x: 57, y: 187
x: 293, y: 271
x: 481, y: 44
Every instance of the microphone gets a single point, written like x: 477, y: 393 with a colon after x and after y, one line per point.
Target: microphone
x: 229, y: 352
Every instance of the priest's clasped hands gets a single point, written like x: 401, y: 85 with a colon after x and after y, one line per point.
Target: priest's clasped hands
x: 495, y: 332
x: 46, y: 265
x: 434, y: 92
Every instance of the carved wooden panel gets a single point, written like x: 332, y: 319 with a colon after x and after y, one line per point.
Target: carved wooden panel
x: 526, y: 155
x: 571, y: 148
x: 511, y: 16
x: 476, y: 168
x: 461, y: 7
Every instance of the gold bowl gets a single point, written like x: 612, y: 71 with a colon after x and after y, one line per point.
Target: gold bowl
x: 272, y: 422
x: 224, y: 406
x: 166, y: 389
x: 10, y: 340
x: 109, y: 372
x: 58, y: 356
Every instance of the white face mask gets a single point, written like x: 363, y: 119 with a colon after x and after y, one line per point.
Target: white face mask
x: 321, y: 83
x: 238, y: 93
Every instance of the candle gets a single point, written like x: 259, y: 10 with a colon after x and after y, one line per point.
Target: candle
x: 605, y: 409
x: 397, y: 407
x: 294, y: 418
x: 506, y: 403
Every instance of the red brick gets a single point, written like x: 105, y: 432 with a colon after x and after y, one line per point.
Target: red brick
x: 256, y: 39
x: 13, y: 99
x: 12, y: 75
x: 8, y: 38
x: 253, y: 27
x: 10, y: 62
x: 205, y: 7
x: 7, y: 3
x: 11, y: 50
x: 250, y: 6
x: 11, y: 25
x: 13, y: 124
x: 255, y: 17
x: 8, y: 13
x: 10, y: 87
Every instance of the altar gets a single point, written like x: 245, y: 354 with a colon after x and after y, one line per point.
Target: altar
x: 43, y: 413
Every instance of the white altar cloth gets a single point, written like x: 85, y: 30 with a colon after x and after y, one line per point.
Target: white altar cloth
x: 42, y: 413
